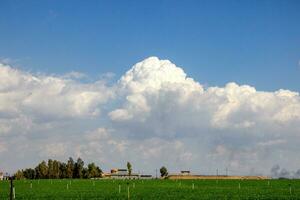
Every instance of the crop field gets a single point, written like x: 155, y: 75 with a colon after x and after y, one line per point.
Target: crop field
x: 152, y: 189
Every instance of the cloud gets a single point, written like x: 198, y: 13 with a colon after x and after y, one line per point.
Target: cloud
x: 3, y: 147
x: 159, y: 96
x: 54, y: 150
x: 108, y: 147
x: 22, y: 93
x: 154, y: 115
x: 272, y: 142
x: 75, y: 75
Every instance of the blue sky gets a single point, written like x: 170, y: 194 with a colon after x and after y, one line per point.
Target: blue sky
x: 249, y: 42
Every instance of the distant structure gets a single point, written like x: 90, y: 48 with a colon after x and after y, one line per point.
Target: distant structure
x: 145, y: 176
x: 123, y: 174
x: 4, y: 176
x: 185, y: 174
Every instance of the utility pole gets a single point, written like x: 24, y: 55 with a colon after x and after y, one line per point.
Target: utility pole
x: 156, y: 173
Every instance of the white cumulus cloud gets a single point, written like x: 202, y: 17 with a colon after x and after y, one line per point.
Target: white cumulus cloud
x: 155, y: 114
x: 48, y: 96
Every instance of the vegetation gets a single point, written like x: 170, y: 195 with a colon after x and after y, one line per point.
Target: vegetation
x: 163, y: 171
x: 45, y: 185
x: 152, y: 189
x: 129, y: 168
x: 54, y: 169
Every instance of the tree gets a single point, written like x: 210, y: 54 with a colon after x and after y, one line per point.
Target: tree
x: 56, y: 171
x: 78, y: 170
x: 29, y: 173
x: 85, y: 173
x: 99, y: 171
x: 163, y: 171
x: 19, y: 175
x: 41, y: 171
x: 70, y: 168
x: 50, y: 169
x: 93, y: 171
x: 129, y: 168
x: 63, y: 170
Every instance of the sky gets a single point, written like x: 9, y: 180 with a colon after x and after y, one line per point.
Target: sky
x: 196, y: 85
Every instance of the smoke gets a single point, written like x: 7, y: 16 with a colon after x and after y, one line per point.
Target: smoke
x: 297, y: 174
x: 277, y: 172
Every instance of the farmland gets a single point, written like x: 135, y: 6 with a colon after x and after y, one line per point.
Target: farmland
x: 152, y: 189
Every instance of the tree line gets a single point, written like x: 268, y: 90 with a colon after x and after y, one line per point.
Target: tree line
x: 54, y: 169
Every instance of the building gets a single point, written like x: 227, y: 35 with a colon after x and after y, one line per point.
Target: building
x: 123, y: 174
x: 185, y: 172
x: 1, y: 176
x: 145, y: 176
x: 119, y: 171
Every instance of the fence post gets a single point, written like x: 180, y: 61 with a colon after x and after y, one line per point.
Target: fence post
x: 12, y: 189
x: 14, y: 193
x: 128, y: 194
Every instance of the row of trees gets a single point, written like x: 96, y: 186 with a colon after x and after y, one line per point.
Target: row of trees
x: 55, y: 169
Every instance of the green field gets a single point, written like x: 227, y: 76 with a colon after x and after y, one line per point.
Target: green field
x: 153, y: 189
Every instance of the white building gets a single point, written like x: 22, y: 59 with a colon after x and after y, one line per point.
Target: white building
x: 123, y: 174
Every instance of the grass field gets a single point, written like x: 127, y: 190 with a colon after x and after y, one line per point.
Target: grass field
x: 153, y: 189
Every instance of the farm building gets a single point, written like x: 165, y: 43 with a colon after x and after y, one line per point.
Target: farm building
x: 119, y: 171
x: 145, y: 176
x: 185, y: 172
x: 123, y: 174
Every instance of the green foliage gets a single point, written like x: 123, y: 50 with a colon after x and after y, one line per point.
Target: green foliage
x: 19, y: 175
x: 29, y: 173
x: 93, y: 171
x: 163, y: 171
x: 78, y: 169
x: 70, y: 168
x: 129, y: 168
x: 63, y: 170
x: 50, y: 169
x: 41, y: 171
x: 55, y: 169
